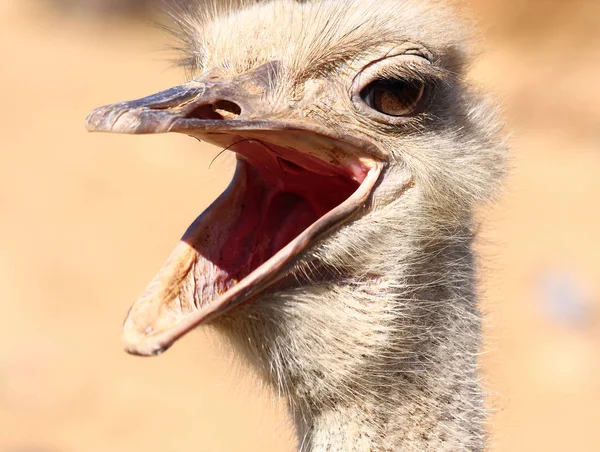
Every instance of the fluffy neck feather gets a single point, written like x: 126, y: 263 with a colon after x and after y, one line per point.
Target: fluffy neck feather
x: 436, y: 407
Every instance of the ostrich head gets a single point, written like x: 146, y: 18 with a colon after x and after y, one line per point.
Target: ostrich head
x: 339, y: 258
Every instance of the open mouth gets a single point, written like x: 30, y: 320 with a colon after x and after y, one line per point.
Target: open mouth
x: 275, y: 196
x: 293, y: 185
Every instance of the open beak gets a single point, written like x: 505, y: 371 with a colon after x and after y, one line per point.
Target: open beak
x: 296, y: 182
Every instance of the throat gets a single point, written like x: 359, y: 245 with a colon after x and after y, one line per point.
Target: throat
x: 268, y: 220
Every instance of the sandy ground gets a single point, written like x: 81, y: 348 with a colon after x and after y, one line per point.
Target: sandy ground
x: 88, y: 219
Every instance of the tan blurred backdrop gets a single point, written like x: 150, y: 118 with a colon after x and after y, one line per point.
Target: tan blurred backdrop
x: 86, y: 220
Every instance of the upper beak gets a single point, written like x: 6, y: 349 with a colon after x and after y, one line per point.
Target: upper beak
x: 205, y: 103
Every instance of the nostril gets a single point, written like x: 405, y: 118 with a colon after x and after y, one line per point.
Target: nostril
x: 227, y: 109
x: 205, y: 112
x: 222, y: 109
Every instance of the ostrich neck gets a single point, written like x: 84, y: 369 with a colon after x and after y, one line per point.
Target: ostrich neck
x: 439, y: 409
x: 437, y: 412
x: 419, y: 388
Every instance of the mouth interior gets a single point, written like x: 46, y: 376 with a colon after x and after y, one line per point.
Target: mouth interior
x: 276, y: 194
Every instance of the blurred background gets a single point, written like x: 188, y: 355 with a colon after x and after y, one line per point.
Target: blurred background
x: 87, y: 220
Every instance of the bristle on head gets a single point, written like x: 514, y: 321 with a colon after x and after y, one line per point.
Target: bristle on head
x: 311, y: 37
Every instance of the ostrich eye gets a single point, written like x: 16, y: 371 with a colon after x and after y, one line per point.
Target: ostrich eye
x: 394, y: 97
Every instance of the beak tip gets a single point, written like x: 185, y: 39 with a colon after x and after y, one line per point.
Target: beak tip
x: 90, y: 125
x: 99, y: 120
x: 142, y: 343
x: 145, y: 349
x: 119, y: 118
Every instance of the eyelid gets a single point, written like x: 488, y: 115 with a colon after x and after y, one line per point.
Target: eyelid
x: 374, y: 71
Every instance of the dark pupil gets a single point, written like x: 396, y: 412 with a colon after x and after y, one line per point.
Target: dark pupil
x: 395, y: 98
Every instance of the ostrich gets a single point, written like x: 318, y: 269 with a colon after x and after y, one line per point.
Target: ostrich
x: 339, y: 260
